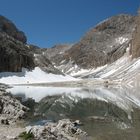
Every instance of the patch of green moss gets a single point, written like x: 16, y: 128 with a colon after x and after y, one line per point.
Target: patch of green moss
x: 26, y: 136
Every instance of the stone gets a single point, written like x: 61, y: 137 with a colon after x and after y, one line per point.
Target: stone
x: 4, y: 121
x: 62, y: 130
x: 11, y: 109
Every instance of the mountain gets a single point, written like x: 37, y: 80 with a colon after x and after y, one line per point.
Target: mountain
x: 135, y: 47
x: 21, y: 62
x: 10, y: 29
x: 56, y: 51
x: 13, y: 52
x: 101, y: 45
x: 105, y: 51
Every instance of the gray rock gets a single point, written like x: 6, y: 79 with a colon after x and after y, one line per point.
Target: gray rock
x: 4, y: 121
x: 62, y: 130
x: 45, y: 64
x: 135, y: 46
x: 11, y: 109
x: 14, y: 55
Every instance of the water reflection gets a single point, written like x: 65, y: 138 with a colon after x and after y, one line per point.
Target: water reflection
x: 107, y: 113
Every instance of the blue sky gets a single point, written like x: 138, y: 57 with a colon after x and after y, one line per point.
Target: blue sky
x: 50, y: 22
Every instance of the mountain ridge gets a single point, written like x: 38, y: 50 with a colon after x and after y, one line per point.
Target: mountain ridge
x: 101, y: 45
x: 99, y: 50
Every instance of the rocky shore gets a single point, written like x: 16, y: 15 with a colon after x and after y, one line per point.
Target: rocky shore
x: 11, y: 109
x: 61, y: 130
x: 12, y: 113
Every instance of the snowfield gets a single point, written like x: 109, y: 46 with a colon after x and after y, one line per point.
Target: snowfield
x: 34, y: 76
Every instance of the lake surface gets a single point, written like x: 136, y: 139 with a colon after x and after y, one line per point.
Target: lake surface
x: 107, y: 113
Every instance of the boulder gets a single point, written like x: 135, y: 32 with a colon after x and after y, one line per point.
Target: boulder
x: 11, y: 109
x: 62, y: 130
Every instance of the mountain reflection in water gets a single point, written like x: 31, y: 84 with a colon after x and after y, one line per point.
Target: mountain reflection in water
x: 106, y: 113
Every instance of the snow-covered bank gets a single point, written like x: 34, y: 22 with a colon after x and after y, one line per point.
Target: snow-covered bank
x: 123, y: 69
x: 34, y: 76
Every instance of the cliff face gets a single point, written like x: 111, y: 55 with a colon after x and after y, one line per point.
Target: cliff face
x: 105, y: 43
x: 56, y: 53
x: 135, y: 48
x: 9, y: 28
x: 102, y: 45
x: 14, y: 54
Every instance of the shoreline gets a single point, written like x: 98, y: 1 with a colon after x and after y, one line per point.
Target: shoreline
x: 79, y: 83
x: 14, y: 126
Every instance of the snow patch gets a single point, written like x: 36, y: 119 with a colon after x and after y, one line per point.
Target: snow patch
x: 27, y: 46
x: 34, y: 76
x: 121, y: 40
x: 84, y: 72
x: 79, y: 72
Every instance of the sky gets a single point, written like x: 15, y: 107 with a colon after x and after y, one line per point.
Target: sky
x: 50, y: 22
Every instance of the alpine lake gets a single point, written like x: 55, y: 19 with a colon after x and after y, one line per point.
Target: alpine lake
x: 105, y: 112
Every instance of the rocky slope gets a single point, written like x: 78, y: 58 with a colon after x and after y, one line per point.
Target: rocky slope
x: 62, y: 130
x: 102, y: 45
x: 135, y: 48
x: 105, y: 43
x: 42, y: 61
x: 126, y: 68
x: 15, y: 54
x: 57, y: 50
x: 55, y: 54
x: 10, y: 29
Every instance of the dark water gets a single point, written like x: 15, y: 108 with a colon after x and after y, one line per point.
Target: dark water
x: 106, y: 113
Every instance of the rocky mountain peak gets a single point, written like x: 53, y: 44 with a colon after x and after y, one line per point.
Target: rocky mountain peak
x: 9, y: 28
x: 58, y: 49
x: 101, y: 45
x: 14, y: 54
